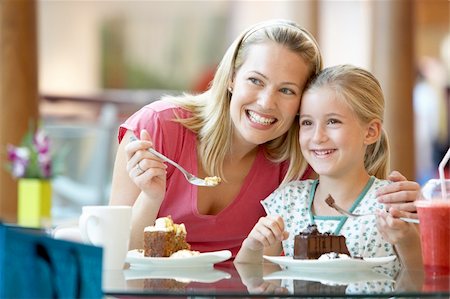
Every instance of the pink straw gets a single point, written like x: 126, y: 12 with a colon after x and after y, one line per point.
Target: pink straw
x: 442, y: 175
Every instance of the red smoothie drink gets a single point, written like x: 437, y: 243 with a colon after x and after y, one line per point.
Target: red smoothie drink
x: 434, y: 216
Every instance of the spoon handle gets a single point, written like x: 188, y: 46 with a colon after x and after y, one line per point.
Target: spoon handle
x: 410, y: 220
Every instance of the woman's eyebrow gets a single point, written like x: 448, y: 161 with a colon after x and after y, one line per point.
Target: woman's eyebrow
x: 265, y: 77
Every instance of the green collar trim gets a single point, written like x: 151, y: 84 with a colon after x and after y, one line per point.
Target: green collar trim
x: 341, y: 219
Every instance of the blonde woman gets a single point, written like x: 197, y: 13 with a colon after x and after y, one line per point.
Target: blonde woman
x: 243, y: 129
x: 343, y: 140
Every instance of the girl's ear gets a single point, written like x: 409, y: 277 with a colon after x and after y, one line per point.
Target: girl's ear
x: 373, y: 132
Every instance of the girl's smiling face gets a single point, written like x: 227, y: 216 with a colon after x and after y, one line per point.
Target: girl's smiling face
x: 266, y: 93
x: 332, y: 138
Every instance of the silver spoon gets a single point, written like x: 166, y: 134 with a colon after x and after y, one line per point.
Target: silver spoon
x: 206, y: 182
x: 330, y: 201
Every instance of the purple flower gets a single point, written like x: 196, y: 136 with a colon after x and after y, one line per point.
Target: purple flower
x: 45, y: 164
x: 33, y: 158
x: 41, y: 142
x: 19, y: 157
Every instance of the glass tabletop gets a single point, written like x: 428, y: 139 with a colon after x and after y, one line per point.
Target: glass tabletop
x: 268, y: 280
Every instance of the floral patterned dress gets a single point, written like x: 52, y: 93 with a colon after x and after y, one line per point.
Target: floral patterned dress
x: 293, y: 203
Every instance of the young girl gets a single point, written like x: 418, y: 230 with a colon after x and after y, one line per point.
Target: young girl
x: 342, y: 138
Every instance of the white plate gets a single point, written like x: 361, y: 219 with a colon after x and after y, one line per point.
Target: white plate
x: 182, y: 274
x: 330, y: 278
x: 137, y: 260
x: 330, y: 265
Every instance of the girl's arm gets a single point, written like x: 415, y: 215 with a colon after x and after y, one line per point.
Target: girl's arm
x: 255, y: 256
x: 264, y: 239
x: 404, y: 236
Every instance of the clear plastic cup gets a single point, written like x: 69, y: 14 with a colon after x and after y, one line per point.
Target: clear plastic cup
x: 434, y: 216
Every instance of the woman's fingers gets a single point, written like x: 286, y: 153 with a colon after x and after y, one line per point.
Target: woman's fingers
x: 138, y: 156
x: 400, y: 194
x: 147, y: 168
x: 396, y: 176
x: 134, y: 145
x: 396, y: 192
x: 136, y: 171
x: 156, y: 174
x: 144, y: 135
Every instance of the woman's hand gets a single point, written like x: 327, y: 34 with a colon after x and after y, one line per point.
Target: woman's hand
x: 147, y: 171
x: 267, y: 232
x: 399, y: 197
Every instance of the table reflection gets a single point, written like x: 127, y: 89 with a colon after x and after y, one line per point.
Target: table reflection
x: 278, y: 280
x: 229, y: 279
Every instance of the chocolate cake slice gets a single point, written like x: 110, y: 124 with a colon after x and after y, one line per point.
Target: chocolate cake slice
x: 311, y: 244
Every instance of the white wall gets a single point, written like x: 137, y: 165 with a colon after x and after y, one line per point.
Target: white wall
x: 344, y: 32
x: 70, y: 44
x: 68, y: 47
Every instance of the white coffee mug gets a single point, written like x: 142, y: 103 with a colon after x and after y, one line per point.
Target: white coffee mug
x: 108, y: 227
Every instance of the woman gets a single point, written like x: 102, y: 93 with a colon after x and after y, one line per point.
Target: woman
x: 243, y: 129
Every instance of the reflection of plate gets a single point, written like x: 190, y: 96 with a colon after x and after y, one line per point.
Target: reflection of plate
x: 182, y: 274
x: 331, y: 278
x: 330, y: 265
x: 137, y: 260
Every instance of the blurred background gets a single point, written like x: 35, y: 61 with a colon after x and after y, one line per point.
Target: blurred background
x: 83, y: 67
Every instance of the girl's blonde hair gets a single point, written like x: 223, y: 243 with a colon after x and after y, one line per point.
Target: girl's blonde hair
x: 210, y: 110
x: 363, y: 93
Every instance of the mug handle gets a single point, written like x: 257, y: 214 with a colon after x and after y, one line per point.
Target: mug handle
x: 84, y: 221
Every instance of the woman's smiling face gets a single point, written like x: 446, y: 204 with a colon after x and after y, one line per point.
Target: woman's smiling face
x: 266, y: 93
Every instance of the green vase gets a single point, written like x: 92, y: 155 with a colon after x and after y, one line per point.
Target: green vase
x: 34, y: 202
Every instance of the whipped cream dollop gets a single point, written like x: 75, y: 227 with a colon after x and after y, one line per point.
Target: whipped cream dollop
x: 184, y: 253
x: 165, y: 224
x: 332, y: 256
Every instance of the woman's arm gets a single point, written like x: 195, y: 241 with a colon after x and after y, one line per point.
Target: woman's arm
x: 123, y: 189
x: 142, y: 187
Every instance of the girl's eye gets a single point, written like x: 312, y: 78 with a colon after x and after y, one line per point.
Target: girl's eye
x: 287, y: 91
x: 305, y: 123
x: 334, y: 121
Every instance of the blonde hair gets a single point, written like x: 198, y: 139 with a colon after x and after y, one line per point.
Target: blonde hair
x: 210, y: 110
x: 363, y: 93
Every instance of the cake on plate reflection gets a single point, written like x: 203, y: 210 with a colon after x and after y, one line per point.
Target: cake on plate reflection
x: 182, y: 275
x: 353, y: 282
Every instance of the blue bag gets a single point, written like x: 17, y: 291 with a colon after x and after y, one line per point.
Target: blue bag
x: 33, y: 265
